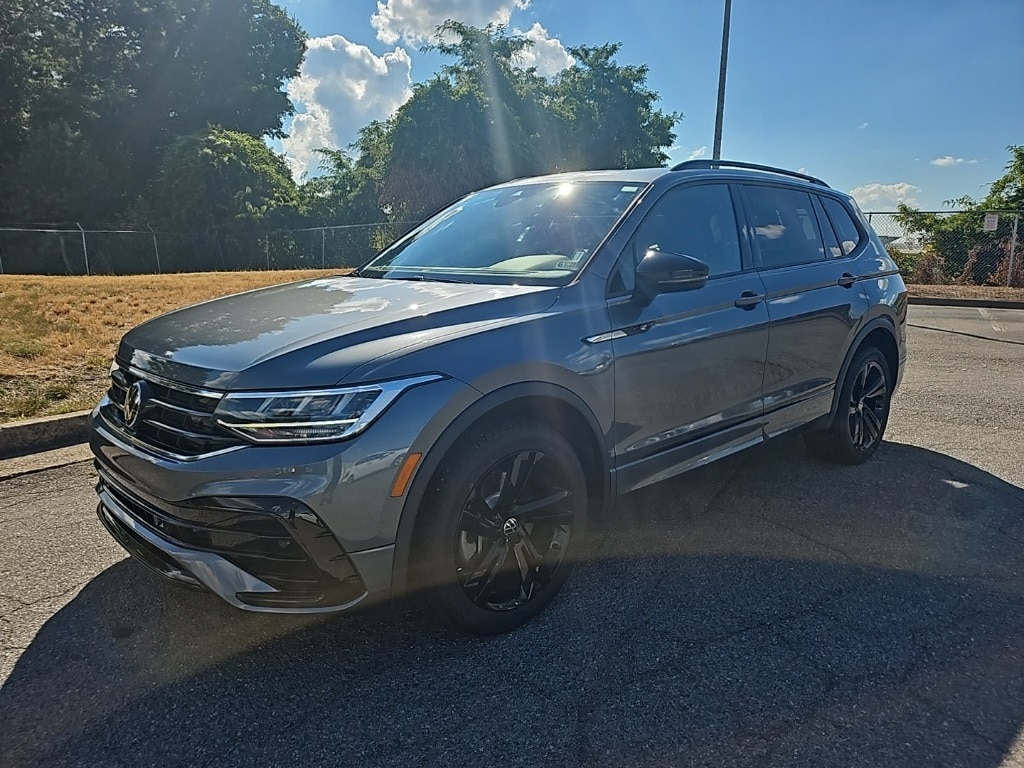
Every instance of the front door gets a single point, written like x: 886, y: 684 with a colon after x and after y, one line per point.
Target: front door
x: 688, y: 366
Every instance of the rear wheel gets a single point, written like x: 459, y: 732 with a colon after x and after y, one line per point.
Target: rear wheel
x: 502, y: 526
x: 863, y: 412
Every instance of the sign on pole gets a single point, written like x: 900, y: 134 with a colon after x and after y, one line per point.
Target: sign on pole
x: 991, y: 222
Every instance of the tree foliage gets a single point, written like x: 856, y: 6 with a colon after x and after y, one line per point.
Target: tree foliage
x: 482, y: 120
x: 196, y: 172
x: 118, y: 82
x: 954, y: 243
x: 608, y: 114
x: 154, y: 112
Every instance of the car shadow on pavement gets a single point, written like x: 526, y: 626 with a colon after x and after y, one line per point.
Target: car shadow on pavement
x: 765, y: 610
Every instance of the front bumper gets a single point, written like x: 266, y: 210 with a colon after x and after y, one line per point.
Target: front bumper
x: 286, y: 529
x: 276, y: 555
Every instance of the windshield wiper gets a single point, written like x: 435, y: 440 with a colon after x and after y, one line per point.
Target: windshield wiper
x: 428, y: 279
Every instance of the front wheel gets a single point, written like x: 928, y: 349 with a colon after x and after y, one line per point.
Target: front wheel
x: 501, y: 528
x: 862, y: 414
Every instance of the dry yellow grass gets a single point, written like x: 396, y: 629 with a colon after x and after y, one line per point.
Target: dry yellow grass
x: 58, y: 334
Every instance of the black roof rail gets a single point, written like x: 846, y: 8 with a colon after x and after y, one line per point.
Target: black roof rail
x: 694, y: 164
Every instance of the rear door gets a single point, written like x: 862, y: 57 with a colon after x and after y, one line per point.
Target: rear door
x: 689, y: 365
x: 814, y: 300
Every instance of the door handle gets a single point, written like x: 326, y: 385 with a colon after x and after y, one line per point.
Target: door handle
x: 749, y: 300
x: 846, y: 280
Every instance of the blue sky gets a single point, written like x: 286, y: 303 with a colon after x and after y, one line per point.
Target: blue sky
x: 890, y: 99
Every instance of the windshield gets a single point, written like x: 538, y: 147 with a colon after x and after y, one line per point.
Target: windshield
x: 538, y: 234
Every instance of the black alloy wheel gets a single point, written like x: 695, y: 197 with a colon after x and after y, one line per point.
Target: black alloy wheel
x: 868, y: 406
x: 502, y: 526
x: 862, y: 412
x: 514, y: 531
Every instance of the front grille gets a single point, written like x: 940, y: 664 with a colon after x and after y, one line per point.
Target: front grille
x: 173, y: 420
x: 279, y: 541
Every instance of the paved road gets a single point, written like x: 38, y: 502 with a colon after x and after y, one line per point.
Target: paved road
x: 767, y: 610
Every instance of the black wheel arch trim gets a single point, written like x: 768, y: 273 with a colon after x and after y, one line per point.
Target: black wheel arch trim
x: 883, y: 321
x: 452, y: 433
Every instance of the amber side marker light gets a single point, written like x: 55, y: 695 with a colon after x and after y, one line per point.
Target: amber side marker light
x: 405, y: 475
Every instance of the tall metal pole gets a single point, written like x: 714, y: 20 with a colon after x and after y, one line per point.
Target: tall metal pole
x: 716, y: 153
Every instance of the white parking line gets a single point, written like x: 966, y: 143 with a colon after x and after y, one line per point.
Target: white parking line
x: 984, y: 313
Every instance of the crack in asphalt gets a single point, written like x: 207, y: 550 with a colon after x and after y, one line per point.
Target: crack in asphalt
x: 806, y: 537
x: 25, y: 605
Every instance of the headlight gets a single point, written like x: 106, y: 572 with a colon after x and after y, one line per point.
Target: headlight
x: 311, y: 416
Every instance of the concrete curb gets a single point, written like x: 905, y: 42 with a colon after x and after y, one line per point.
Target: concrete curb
x: 19, y: 438
x: 934, y: 301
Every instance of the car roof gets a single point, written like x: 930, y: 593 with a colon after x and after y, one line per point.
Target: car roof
x: 634, y: 175
x: 729, y: 170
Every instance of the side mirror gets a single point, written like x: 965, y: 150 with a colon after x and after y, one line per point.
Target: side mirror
x: 664, y: 272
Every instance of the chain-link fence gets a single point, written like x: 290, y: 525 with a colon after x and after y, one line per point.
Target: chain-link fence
x: 981, y: 248
x: 67, y: 250
x: 956, y: 248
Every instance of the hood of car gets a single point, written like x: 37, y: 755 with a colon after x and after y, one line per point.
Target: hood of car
x: 316, y: 332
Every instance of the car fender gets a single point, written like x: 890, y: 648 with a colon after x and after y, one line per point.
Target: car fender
x: 879, y: 319
x: 436, y: 449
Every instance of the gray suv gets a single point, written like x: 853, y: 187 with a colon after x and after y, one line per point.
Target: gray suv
x: 444, y: 420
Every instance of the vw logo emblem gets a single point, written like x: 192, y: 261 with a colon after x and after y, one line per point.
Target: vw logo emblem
x: 133, y: 404
x: 511, y: 527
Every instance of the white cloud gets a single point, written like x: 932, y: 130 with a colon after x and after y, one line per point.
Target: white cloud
x: 948, y: 160
x: 547, y: 53
x: 416, y: 21
x: 862, y: 126
x: 341, y: 87
x: 884, y: 197
x: 699, y: 152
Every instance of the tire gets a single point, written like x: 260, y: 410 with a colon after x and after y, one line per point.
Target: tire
x: 862, y: 414
x: 500, y: 528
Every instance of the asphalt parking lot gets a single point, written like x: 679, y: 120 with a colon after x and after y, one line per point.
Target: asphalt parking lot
x: 766, y: 610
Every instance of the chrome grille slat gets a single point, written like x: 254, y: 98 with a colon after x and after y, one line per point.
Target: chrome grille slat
x: 180, y: 409
x: 176, y: 430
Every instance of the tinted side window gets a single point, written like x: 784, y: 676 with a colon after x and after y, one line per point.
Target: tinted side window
x: 696, y: 221
x: 784, y: 226
x: 849, y: 235
x: 832, y: 247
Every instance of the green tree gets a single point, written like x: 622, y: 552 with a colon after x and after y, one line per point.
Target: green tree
x: 609, y: 114
x: 956, y: 247
x: 16, y: 75
x: 223, y: 181
x: 483, y: 120
x: 465, y: 128
x: 1007, y: 192
x: 346, y: 197
x: 57, y: 176
x: 128, y: 77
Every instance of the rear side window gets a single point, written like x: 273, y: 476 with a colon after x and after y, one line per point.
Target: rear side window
x: 784, y: 226
x: 828, y: 234
x: 849, y: 235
